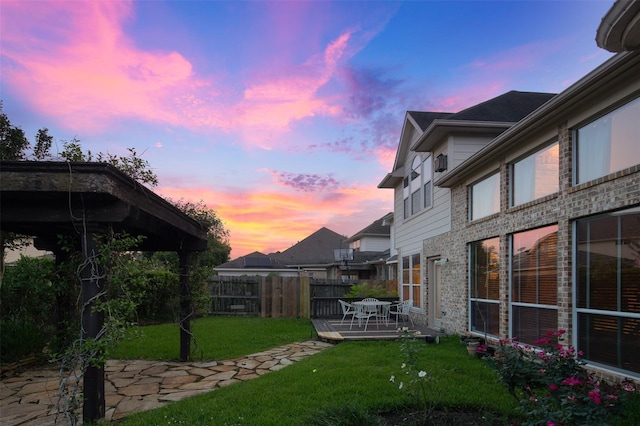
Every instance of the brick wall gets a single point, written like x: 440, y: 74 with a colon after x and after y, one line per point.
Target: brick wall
x: 613, y: 192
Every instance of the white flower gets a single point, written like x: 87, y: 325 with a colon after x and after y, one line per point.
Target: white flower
x: 421, y: 374
x: 417, y: 333
x: 401, y: 385
x: 392, y: 379
x: 403, y: 365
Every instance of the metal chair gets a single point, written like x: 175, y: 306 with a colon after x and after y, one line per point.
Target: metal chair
x: 347, y: 309
x: 402, y: 309
x: 364, y: 312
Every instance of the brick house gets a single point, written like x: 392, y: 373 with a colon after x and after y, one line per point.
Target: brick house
x: 537, y: 228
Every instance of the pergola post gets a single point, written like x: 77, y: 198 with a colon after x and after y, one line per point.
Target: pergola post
x: 92, y: 322
x: 185, y: 306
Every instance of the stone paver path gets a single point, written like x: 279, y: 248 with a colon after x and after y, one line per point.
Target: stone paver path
x: 30, y: 398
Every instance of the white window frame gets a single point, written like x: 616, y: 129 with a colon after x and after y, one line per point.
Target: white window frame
x: 537, y: 305
x: 593, y: 143
x: 409, y: 284
x: 487, y: 181
x: 543, y: 171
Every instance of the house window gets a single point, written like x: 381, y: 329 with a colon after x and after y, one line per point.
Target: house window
x: 607, y: 299
x: 415, y: 202
x: 484, y: 197
x: 608, y: 144
x: 535, y: 176
x: 427, y: 166
x: 484, y: 286
x: 534, y: 288
x: 405, y: 194
x: 411, y: 279
x: 414, y: 185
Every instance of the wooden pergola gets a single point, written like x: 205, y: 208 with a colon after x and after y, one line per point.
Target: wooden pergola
x: 48, y: 199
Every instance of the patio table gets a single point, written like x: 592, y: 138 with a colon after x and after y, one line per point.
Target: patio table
x: 381, y: 308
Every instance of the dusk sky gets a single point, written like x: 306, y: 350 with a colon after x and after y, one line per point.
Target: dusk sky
x: 281, y: 116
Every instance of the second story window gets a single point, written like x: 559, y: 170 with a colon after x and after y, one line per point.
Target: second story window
x: 415, y: 185
x: 535, y: 176
x: 417, y: 192
x: 427, y: 167
x: 484, y: 197
x: 608, y: 144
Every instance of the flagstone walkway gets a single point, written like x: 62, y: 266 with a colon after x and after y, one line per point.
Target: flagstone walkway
x: 30, y: 398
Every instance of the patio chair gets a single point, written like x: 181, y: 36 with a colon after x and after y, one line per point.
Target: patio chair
x: 347, y: 309
x: 402, y: 309
x: 364, y: 312
x: 384, y: 313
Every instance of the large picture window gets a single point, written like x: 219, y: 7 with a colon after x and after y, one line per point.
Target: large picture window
x: 484, y: 197
x: 608, y: 144
x: 608, y: 289
x: 534, y: 288
x: 484, y: 286
x: 412, y: 280
x: 535, y: 176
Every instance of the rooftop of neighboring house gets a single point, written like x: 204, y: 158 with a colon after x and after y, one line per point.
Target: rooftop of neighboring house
x: 379, y: 228
x: 317, y: 248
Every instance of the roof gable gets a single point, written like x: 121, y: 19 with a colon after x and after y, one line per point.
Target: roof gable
x: 415, y: 122
x: 377, y: 228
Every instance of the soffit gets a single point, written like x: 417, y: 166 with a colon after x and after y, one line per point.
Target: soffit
x: 619, y: 29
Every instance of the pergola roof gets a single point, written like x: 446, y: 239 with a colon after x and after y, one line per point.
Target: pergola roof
x: 44, y: 199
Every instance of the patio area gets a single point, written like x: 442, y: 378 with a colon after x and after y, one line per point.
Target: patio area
x: 331, y: 330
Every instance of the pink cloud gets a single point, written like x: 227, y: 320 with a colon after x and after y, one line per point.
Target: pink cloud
x: 269, y: 221
x: 89, y: 72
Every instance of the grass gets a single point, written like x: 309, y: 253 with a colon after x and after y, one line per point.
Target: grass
x: 352, y: 377
x: 217, y: 338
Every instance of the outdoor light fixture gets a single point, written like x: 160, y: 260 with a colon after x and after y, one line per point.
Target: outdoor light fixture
x: 440, y: 163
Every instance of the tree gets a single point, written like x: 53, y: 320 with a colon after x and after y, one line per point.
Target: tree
x: 13, y: 142
x: 13, y: 145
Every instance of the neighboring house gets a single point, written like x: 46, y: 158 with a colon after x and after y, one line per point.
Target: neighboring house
x: 314, y: 254
x: 325, y: 254
x: 539, y: 229
x: 370, y: 250
x: 28, y: 250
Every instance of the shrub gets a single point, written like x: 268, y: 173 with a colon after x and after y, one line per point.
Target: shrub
x: 364, y: 290
x: 554, y: 388
x: 27, y: 300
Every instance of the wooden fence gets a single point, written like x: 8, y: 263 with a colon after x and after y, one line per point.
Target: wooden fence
x: 278, y: 297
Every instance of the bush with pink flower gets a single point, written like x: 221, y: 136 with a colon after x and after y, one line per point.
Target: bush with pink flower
x: 554, y: 388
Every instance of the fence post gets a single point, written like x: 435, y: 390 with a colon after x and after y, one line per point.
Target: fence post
x: 265, y: 286
x: 304, y: 311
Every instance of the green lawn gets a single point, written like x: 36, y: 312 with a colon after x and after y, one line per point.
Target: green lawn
x: 352, y: 377
x: 217, y: 338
